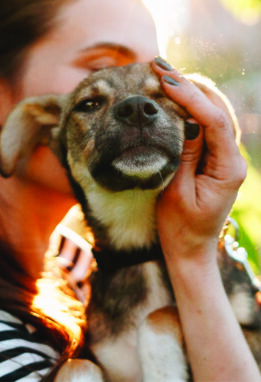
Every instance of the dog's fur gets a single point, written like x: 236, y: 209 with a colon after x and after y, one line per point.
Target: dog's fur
x: 120, y: 139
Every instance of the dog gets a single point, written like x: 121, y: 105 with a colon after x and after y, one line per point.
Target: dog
x: 120, y: 139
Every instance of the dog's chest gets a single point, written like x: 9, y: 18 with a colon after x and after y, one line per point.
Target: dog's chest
x: 120, y: 300
x: 120, y: 303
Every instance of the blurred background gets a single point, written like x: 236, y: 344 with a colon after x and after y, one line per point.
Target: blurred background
x: 221, y: 39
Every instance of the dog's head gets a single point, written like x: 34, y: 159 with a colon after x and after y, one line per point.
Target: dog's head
x: 121, y: 129
x: 117, y: 128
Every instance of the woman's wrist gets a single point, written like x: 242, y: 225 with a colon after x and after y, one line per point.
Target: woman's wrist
x: 187, y: 250
x: 190, y: 270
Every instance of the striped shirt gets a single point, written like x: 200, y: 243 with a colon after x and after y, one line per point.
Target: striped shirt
x: 23, y: 354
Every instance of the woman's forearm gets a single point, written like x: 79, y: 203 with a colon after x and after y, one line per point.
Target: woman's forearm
x: 216, y: 347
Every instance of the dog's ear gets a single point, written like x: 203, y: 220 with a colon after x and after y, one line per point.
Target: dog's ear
x: 30, y: 124
x: 218, y: 98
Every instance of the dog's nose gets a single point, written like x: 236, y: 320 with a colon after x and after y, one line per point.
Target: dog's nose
x: 136, y: 110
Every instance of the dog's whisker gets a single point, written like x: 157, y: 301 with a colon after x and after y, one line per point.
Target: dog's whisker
x: 162, y: 180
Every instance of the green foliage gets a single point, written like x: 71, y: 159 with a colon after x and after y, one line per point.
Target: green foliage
x: 247, y: 213
x: 247, y: 10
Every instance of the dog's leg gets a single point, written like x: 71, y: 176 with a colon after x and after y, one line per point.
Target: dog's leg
x: 79, y: 370
x: 161, y: 347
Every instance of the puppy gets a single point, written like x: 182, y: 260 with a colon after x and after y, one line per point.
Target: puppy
x: 120, y: 139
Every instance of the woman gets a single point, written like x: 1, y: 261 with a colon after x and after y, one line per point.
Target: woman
x: 49, y: 46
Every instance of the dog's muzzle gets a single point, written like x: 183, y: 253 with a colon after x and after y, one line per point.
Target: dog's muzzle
x: 140, y: 148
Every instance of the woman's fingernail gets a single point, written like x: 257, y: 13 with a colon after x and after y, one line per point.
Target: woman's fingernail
x: 191, y: 130
x: 162, y: 63
x: 169, y: 80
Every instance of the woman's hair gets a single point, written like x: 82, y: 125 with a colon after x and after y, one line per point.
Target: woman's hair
x: 22, y: 22
x: 47, y: 303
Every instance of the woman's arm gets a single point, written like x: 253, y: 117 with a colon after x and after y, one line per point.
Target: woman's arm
x: 191, y: 214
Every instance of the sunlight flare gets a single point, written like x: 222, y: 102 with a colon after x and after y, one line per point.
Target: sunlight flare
x: 170, y: 17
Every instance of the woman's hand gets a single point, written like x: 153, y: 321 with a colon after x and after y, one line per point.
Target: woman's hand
x: 194, y: 206
x: 191, y: 214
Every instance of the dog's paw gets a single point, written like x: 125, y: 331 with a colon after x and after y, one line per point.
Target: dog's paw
x: 79, y: 370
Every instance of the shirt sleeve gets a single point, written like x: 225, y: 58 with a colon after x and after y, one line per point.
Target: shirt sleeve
x: 23, y: 357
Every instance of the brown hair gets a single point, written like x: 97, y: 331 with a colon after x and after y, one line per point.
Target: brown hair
x: 22, y: 22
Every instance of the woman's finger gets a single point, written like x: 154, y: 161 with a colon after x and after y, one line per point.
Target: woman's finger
x: 218, y: 129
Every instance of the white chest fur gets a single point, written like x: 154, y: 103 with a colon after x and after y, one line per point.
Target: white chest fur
x: 120, y: 356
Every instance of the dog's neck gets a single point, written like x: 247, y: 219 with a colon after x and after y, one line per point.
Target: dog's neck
x: 127, y: 217
x: 127, y: 220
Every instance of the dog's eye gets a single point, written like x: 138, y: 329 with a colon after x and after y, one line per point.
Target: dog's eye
x: 89, y: 105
